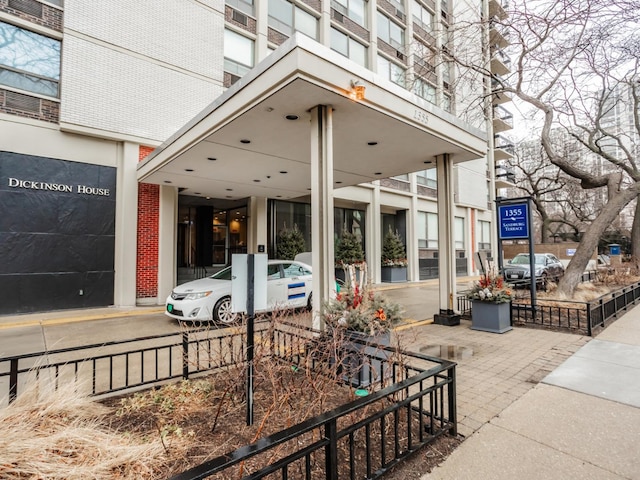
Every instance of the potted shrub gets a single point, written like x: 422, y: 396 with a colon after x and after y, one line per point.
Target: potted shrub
x: 348, y: 251
x: 290, y: 243
x: 394, y: 258
x: 491, y: 303
x: 361, y: 320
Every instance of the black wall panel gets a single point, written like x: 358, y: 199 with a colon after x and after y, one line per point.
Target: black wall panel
x: 57, y: 234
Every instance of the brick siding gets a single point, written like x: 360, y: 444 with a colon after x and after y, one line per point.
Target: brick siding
x: 148, y: 227
x: 50, y: 17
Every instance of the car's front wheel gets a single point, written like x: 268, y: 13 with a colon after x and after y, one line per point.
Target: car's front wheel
x: 222, y: 312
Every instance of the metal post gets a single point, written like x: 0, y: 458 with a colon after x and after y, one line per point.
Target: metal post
x: 532, y: 263
x: 250, y: 339
x: 185, y: 356
x: 451, y: 400
x: 331, y: 450
x: 13, y: 380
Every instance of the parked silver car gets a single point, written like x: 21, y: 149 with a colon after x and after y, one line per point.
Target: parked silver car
x: 547, y: 267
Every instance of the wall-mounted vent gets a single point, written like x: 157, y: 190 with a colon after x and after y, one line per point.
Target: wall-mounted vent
x: 240, y: 18
x: 400, y: 55
x: 400, y: 14
x: 25, y: 103
x: 30, y: 7
x: 338, y: 17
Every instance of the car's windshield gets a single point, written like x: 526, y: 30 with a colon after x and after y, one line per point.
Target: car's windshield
x: 224, y: 274
x: 524, y: 260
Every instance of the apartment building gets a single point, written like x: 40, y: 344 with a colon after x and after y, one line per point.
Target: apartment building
x: 109, y: 192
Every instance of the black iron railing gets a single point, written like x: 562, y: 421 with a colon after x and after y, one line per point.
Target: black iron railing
x: 112, y: 367
x: 411, y: 400
x: 362, y: 439
x: 571, y: 316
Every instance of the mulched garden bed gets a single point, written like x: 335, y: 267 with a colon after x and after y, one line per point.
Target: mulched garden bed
x: 198, y: 420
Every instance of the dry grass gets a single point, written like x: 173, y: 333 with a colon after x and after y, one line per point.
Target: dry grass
x: 63, y: 436
x: 163, y: 431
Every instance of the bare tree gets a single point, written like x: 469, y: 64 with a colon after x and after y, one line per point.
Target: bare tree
x: 571, y: 62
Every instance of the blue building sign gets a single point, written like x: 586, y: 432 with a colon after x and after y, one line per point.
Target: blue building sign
x: 514, y: 221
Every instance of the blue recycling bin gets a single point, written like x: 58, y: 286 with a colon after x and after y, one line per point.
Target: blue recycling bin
x: 614, y: 249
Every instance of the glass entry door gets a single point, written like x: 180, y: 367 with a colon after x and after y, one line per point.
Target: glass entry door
x: 220, y: 239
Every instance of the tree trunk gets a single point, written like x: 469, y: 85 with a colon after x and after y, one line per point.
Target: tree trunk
x: 589, y: 241
x: 635, y: 235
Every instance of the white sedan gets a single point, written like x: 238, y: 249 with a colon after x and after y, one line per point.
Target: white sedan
x: 288, y: 286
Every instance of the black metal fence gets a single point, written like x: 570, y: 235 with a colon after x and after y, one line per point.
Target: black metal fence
x: 576, y: 317
x: 113, y: 367
x: 411, y: 400
x: 362, y: 439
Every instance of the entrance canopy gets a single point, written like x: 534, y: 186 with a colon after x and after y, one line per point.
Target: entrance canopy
x: 254, y: 140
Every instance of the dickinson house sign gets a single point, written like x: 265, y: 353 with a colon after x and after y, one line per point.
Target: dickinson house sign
x: 57, y: 233
x: 58, y: 187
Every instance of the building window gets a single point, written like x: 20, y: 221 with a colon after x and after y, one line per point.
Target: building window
x: 422, y: 16
x: 425, y: 90
x: 390, y: 32
x: 390, y: 70
x: 427, y: 230
x: 238, y: 53
x: 29, y: 61
x: 484, y: 235
x: 404, y: 177
x: 447, y: 103
x: 458, y: 229
x: 245, y: 6
x: 348, y: 47
x: 288, y: 18
x: 428, y: 178
x: 353, y: 9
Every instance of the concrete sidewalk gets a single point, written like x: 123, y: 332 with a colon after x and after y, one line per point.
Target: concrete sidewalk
x: 581, y: 422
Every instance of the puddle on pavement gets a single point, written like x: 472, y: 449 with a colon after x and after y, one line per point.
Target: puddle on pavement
x: 448, y: 352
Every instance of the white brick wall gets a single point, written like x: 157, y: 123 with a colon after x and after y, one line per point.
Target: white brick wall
x: 140, y: 68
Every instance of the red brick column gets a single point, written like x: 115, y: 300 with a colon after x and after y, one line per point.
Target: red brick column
x: 148, y: 227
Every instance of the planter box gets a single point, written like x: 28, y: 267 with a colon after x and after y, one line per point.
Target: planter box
x: 491, y: 317
x: 341, y: 275
x: 394, y: 274
x: 363, y: 359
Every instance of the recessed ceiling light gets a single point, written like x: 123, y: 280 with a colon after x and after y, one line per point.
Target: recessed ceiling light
x: 229, y: 189
x: 377, y: 173
x: 427, y: 162
x: 257, y: 181
x: 283, y: 172
x: 229, y: 196
x: 308, y: 189
x: 197, y: 193
x: 278, y: 196
x: 372, y: 143
x: 244, y: 140
x: 168, y: 181
x: 188, y: 169
x: 268, y: 176
x: 338, y: 182
x: 292, y: 116
x: 208, y: 198
x: 212, y: 159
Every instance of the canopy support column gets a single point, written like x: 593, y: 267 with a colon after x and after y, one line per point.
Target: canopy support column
x: 446, y: 243
x: 322, y: 248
